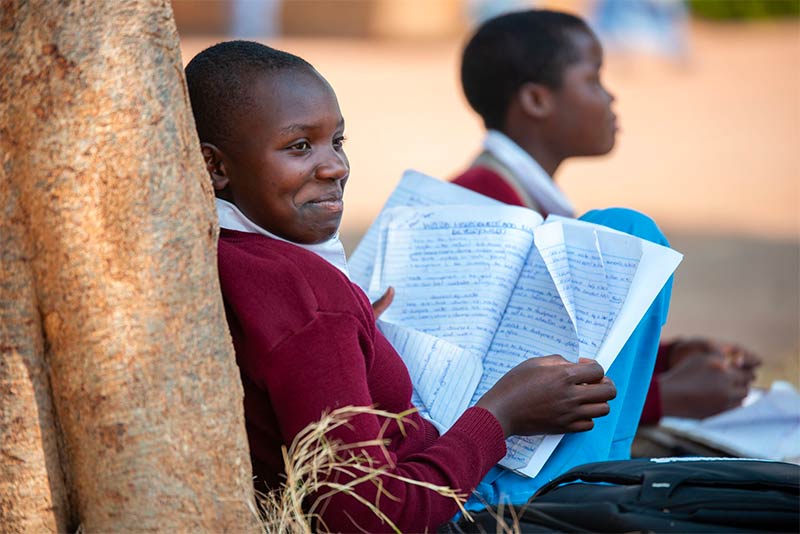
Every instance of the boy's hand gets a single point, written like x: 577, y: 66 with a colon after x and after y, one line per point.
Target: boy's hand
x: 705, y: 378
x: 549, y: 395
x: 380, y: 305
x: 739, y: 356
x: 703, y: 385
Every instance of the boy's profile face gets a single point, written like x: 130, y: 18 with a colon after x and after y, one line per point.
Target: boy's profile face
x: 582, y: 120
x: 285, y: 166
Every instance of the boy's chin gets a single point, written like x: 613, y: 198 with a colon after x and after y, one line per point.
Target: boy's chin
x: 318, y: 237
x: 604, y: 149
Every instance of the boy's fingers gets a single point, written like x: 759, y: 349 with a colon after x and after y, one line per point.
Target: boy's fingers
x: 380, y: 305
x: 748, y: 360
x: 736, y: 396
x: 581, y: 425
x: 741, y: 357
x: 587, y: 372
x: 601, y: 392
x: 751, y: 360
x: 552, y: 359
x: 742, y: 377
x: 594, y: 410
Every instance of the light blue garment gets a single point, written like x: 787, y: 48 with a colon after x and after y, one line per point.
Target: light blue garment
x: 612, y: 435
x: 650, y: 26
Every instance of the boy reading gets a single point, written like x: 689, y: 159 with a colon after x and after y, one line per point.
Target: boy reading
x: 534, y: 78
x: 306, y: 342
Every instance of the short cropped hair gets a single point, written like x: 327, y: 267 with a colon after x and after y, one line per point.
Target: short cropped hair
x: 219, y: 80
x: 511, y: 50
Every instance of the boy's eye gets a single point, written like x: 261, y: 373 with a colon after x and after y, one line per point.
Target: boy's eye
x: 339, y: 141
x: 300, y: 145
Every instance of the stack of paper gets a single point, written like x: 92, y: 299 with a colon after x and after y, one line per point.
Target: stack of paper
x: 481, y: 286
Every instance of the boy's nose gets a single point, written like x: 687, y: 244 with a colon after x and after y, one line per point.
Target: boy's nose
x: 334, y: 167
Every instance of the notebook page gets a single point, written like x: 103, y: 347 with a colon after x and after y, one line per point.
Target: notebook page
x: 414, y: 189
x: 527, y: 455
x: 416, y: 401
x: 453, y: 268
x: 535, y: 323
x: 655, y: 266
x: 444, y: 375
x: 621, y: 257
x: 767, y: 425
x: 553, y: 252
x: 575, y: 266
x: 590, y: 291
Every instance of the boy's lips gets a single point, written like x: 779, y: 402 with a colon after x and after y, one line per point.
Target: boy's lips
x: 328, y: 202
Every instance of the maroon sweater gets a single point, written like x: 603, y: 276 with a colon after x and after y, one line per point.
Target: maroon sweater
x: 306, y: 343
x: 487, y: 182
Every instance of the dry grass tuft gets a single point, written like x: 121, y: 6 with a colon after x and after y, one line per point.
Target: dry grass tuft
x: 311, y: 463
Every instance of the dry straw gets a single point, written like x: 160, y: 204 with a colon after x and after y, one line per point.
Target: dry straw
x: 312, y: 463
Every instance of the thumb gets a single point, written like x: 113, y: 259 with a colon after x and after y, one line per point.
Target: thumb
x: 380, y: 305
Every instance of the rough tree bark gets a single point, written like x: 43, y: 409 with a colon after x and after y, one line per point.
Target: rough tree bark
x: 32, y: 493
x: 111, y: 312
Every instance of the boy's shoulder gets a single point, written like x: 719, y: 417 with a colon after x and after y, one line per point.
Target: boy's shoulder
x: 489, y: 182
x: 235, y: 246
x: 277, y: 270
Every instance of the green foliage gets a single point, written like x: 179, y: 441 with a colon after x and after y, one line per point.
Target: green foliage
x: 744, y: 9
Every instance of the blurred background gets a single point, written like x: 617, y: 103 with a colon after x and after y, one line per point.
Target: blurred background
x: 708, y: 99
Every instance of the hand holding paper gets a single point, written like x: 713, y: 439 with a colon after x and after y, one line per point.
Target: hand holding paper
x: 549, y: 395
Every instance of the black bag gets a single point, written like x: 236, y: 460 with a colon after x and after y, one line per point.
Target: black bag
x: 660, y: 495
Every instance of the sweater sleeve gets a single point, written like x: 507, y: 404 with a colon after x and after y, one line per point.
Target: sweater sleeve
x: 324, y: 366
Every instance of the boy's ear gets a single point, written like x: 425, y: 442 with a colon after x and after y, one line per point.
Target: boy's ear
x: 535, y: 100
x: 214, y: 165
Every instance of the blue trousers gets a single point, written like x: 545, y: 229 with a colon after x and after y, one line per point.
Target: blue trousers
x: 632, y: 370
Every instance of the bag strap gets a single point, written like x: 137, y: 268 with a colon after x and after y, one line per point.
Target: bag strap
x: 575, y: 475
x: 658, y: 482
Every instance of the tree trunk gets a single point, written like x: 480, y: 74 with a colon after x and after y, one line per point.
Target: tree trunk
x: 109, y: 282
x: 32, y: 492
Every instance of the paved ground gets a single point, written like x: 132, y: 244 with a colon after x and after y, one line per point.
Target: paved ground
x: 710, y: 147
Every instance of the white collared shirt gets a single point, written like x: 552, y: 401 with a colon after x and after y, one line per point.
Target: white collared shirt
x: 231, y: 218
x: 530, y: 175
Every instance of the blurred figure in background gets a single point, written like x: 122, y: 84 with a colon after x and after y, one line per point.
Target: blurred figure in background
x: 255, y: 18
x: 534, y: 78
x: 653, y: 26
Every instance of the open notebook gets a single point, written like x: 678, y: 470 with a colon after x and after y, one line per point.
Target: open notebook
x: 481, y: 286
x: 766, y: 425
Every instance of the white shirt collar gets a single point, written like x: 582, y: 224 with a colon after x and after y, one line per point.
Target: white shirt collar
x: 531, y: 176
x: 231, y: 218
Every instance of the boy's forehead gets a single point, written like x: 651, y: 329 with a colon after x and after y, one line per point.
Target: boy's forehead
x: 282, y: 77
x: 282, y: 84
x: 288, y: 96
x: 585, y: 45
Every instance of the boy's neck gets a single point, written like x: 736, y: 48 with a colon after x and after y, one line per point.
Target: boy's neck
x: 531, y: 143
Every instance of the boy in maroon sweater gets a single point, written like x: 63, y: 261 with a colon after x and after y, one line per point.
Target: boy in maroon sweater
x: 534, y: 78
x: 306, y: 343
